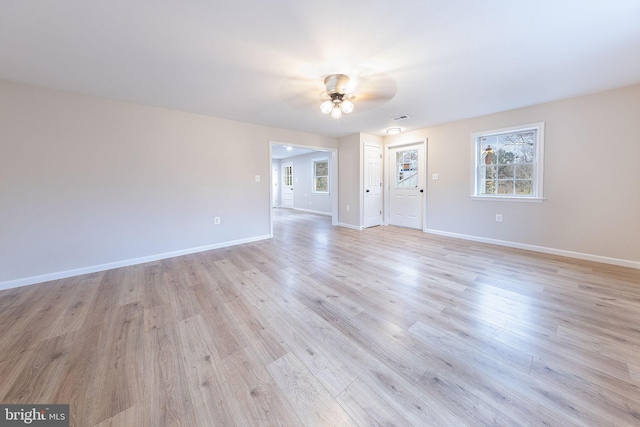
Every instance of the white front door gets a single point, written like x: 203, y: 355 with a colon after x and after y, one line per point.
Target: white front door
x: 406, y: 186
x: 372, y: 185
x: 287, y: 185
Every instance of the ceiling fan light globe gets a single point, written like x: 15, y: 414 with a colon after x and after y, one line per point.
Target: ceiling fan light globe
x: 336, y: 113
x: 326, y: 107
x: 347, y: 107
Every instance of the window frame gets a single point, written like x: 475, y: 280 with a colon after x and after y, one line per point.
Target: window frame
x: 314, y: 177
x: 538, y: 178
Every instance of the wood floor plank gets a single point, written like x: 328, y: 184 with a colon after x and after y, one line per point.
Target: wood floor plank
x: 77, y: 308
x: 634, y: 372
x: 169, y: 399
x: 620, y: 409
x: 367, y: 408
x: 133, y: 416
x: 121, y: 367
x: 40, y: 376
x: 625, y: 352
x: 403, y: 396
x: 465, y: 380
x: 492, y: 348
x: 206, y: 382
x: 259, y: 400
x: 311, y: 402
x: 262, y: 339
x: 326, y: 367
x: 561, y: 351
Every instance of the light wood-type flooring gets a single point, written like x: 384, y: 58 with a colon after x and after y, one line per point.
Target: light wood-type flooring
x: 327, y: 326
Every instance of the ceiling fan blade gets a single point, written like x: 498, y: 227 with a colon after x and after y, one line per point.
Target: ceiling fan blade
x: 375, y: 86
x: 301, y: 92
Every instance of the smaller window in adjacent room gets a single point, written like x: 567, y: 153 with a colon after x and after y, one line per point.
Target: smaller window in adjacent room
x: 509, y: 162
x: 321, y: 176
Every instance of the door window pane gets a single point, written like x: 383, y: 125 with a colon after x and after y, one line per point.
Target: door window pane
x: 407, y: 169
x: 288, y: 176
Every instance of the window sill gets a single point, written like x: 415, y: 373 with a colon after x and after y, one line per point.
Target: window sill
x: 509, y: 199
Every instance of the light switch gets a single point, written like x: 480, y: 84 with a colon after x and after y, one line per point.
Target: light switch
x: 434, y: 177
x: 257, y: 178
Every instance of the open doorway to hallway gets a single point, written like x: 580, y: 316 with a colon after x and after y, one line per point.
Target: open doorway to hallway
x: 304, y: 179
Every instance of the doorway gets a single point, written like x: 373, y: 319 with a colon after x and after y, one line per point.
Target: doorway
x: 406, y: 178
x: 303, y: 178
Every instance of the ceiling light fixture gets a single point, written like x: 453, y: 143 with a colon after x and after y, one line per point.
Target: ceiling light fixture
x: 337, y: 86
x: 393, y: 131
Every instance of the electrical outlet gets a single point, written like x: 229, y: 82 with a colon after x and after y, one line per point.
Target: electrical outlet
x: 498, y: 217
x: 348, y: 208
x: 435, y: 177
x: 216, y: 220
x: 257, y: 178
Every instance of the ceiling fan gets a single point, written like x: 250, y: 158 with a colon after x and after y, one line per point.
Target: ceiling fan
x: 337, y: 94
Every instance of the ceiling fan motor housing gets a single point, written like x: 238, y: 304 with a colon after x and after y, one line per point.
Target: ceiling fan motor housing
x: 336, y: 84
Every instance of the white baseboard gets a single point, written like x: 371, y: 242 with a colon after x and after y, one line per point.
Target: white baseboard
x: 543, y: 249
x: 353, y: 227
x: 124, y: 263
x: 313, y: 212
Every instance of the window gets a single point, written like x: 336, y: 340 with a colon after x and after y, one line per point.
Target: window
x: 321, y: 176
x: 407, y: 169
x: 508, y: 163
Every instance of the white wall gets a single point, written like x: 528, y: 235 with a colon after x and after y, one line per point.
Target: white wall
x: 89, y: 183
x: 591, y: 179
x: 303, y: 195
x: 350, y: 181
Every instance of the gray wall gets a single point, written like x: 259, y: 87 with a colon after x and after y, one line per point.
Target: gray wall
x: 303, y: 196
x: 350, y: 181
x: 89, y: 183
x: 591, y: 178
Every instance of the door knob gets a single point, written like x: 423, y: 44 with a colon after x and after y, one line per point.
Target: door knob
x: 422, y: 191
x: 367, y: 190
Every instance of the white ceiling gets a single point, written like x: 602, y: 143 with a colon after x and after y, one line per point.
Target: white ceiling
x: 279, y: 152
x: 449, y: 59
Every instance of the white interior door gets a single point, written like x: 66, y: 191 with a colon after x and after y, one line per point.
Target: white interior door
x: 406, y: 186
x: 372, y: 185
x: 287, y: 185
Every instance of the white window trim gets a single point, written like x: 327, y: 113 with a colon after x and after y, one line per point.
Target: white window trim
x: 313, y: 174
x: 538, y: 182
